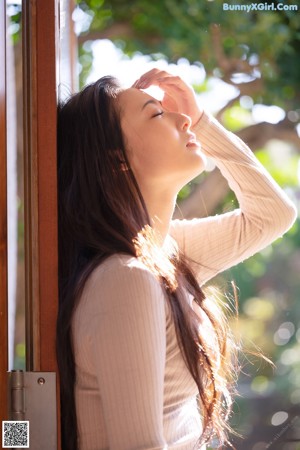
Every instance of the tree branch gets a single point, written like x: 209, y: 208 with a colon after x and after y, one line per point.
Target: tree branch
x: 258, y: 135
x: 231, y: 66
x: 116, y: 30
x: 228, y: 105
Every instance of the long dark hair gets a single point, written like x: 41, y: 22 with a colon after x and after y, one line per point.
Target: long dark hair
x: 102, y: 212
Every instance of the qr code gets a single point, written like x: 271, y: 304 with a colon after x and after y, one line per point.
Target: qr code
x: 15, y: 433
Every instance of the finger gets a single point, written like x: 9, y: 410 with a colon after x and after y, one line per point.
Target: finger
x: 166, y: 82
x: 154, y: 72
x: 162, y: 82
x: 143, y: 78
x: 136, y: 84
x: 175, y: 81
x: 151, y: 76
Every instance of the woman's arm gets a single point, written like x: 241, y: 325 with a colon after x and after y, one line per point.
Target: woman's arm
x: 128, y: 335
x: 265, y: 213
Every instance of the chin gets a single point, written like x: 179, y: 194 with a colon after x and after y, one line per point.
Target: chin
x: 198, y: 163
x: 192, y: 173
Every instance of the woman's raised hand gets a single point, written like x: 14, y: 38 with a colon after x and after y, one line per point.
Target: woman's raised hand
x: 178, y: 95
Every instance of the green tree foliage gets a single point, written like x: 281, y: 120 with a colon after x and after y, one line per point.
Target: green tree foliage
x: 264, y: 46
x: 14, y: 13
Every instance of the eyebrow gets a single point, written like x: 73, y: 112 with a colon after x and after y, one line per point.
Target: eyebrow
x: 150, y: 101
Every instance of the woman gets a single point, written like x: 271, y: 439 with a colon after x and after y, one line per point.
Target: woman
x: 144, y: 357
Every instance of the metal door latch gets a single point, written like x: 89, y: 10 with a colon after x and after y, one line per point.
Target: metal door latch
x: 32, y: 397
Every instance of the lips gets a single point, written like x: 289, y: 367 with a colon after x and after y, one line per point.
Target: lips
x: 193, y: 141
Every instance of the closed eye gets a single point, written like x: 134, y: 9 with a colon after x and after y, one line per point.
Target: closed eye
x: 159, y: 114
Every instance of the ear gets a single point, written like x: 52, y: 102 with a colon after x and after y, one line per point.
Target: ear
x: 123, y: 166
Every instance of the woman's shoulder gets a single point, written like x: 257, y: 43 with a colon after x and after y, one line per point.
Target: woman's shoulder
x: 120, y: 276
x: 119, y: 264
x: 120, y: 272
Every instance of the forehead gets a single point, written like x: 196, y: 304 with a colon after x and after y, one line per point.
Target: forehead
x: 132, y: 100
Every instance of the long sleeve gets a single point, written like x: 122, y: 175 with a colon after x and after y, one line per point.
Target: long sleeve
x: 128, y: 339
x: 264, y: 214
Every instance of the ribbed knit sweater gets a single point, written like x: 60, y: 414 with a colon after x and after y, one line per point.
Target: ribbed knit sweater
x: 133, y: 389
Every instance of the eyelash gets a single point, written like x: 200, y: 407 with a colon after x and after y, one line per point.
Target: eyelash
x: 159, y: 114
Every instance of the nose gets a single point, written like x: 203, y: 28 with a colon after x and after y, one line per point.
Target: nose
x: 186, y: 122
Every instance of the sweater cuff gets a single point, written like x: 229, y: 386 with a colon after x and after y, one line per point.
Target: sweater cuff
x: 205, y: 120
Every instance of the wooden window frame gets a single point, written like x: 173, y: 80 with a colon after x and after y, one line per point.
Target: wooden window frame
x: 40, y: 50
x: 3, y: 222
x: 40, y: 67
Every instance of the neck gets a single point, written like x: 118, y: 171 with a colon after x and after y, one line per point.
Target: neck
x: 160, y: 208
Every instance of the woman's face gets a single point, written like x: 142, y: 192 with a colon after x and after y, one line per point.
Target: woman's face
x: 157, y: 144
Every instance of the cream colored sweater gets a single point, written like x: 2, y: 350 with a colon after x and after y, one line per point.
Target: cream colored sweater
x: 133, y: 390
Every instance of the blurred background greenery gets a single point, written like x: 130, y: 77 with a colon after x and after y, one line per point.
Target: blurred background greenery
x: 257, y: 53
